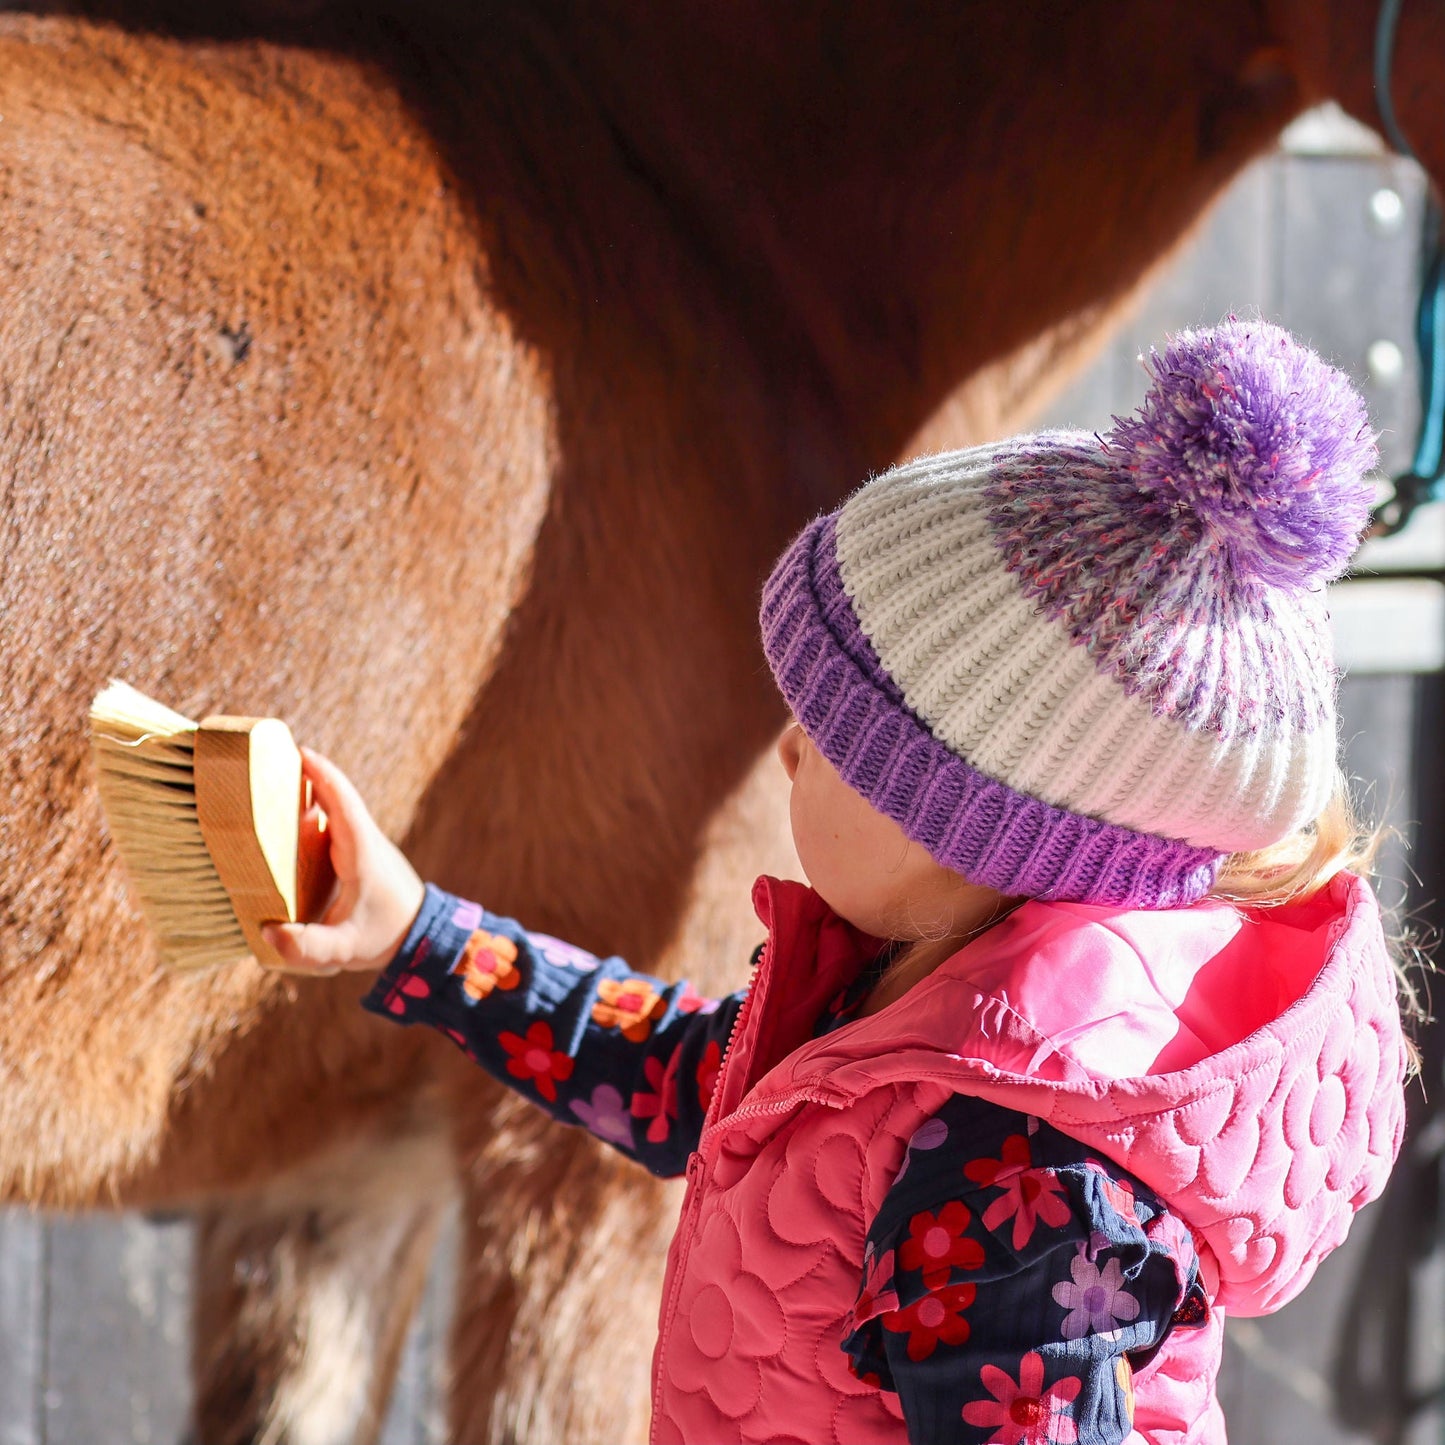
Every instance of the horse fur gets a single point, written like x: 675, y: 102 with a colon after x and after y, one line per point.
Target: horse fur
x: 444, y: 380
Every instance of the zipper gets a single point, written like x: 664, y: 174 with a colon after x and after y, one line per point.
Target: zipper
x: 687, y: 1224
x: 683, y: 1240
x: 779, y: 1104
x: 729, y: 1061
x: 692, y: 1203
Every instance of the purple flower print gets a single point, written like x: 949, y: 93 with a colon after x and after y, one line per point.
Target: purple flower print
x: 466, y: 916
x: 928, y: 1135
x: 1095, y: 1298
x: 562, y: 955
x: 605, y: 1115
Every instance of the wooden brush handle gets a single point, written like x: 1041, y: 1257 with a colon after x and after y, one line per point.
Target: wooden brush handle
x: 250, y: 799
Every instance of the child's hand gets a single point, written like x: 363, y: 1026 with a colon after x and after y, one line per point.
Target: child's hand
x: 378, y: 891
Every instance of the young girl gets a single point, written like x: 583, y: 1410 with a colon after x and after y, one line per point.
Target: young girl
x: 1085, y: 1032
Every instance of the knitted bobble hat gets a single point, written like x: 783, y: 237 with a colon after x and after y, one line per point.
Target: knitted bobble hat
x: 1089, y: 668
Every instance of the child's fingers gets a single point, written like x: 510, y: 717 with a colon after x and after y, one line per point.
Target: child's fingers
x: 346, y: 813
x: 317, y: 948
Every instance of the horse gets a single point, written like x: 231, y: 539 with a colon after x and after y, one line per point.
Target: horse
x: 444, y: 380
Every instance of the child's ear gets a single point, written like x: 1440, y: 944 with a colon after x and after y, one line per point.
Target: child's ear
x: 790, y: 748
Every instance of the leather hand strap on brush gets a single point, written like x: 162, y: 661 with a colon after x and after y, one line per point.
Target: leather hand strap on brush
x: 210, y: 820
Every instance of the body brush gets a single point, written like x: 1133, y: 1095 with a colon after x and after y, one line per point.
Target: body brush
x: 207, y: 818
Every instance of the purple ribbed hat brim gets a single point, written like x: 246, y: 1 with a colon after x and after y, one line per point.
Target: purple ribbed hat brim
x: 992, y: 834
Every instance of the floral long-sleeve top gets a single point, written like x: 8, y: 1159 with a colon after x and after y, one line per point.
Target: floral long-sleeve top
x: 1011, y: 1282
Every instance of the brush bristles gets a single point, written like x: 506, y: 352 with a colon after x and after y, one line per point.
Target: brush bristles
x: 144, y: 755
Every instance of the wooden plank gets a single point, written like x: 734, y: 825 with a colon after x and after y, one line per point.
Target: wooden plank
x: 117, y: 1336
x: 22, y: 1334
x: 1225, y: 265
x: 1347, y: 282
x: 418, y: 1412
x: 1330, y: 1364
x: 1298, y: 242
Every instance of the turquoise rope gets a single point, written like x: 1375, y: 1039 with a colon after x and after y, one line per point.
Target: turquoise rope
x: 1425, y: 481
x: 1385, y: 26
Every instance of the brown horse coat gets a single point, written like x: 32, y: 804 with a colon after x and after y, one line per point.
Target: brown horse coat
x: 445, y: 382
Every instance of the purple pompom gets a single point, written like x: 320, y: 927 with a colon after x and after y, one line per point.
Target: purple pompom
x: 1257, y: 446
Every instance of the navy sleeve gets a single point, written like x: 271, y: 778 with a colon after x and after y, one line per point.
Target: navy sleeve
x: 625, y: 1056
x: 1011, y: 1279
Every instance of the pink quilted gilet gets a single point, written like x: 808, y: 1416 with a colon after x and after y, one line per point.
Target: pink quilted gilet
x: 1248, y: 1067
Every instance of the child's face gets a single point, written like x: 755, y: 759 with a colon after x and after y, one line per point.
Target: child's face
x: 863, y: 865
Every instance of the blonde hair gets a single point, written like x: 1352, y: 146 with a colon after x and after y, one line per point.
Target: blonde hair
x: 1298, y: 866
x: 1303, y: 863
x: 1289, y: 871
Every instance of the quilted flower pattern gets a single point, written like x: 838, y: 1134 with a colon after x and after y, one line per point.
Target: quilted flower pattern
x: 1325, y: 1142
x: 723, y: 1309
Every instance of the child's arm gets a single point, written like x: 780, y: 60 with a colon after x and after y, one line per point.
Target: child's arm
x: 594, y: 1044
x: 629, y: 1058
x: 1012, y: 1274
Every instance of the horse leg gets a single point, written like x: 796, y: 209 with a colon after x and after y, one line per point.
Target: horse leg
x: 557, y: 1287
x: 305, y: 1289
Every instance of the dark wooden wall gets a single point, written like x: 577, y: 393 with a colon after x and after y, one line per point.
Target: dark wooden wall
x: 1327, y: 244
x: 94, y: 1312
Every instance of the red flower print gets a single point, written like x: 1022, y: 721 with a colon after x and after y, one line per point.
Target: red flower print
x: 877, y: 1294
x: 661, y: 1105
x: 1029, y: 1194
x: 689, y: 1001
x: 707, y: 1072
x: 1119, y: 1193
x: 630, y: 1004
x: 1025, y: 1413
x: 487, y: 961
x: 937, y: 1245
x: 534, y: 1058
x: 936, y: 1317
x: 407, y: 987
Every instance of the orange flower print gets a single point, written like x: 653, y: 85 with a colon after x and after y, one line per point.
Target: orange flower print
x: 630, y: 1004
x: 488, y: 961
x: 1124, y: 1373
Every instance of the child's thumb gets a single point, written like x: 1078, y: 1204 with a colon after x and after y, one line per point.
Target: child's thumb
x: 310, y: 948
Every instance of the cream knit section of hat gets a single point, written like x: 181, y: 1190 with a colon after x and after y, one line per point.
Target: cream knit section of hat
x: 1010, y: 691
